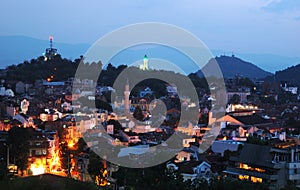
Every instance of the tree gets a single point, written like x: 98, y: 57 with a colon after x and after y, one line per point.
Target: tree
x: 3, y: 169
x: 65, y: 159
x: 81, y: 146
x: 199, y: 183
x: 138, y: 113
x: 155, y: 177
x: 236, y: 99
x: 19, y: 146
x: 96, y: 169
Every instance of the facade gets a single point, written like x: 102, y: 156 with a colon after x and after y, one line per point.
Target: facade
x: 242, y: 94
x: 235, y: 125
x: 272, y: 165
x: 145, y: 92
x: 220, y: 147
x: 172, y: 90
x: 186, y: 155
x: 192, y: 169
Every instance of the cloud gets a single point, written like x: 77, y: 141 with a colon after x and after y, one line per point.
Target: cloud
x: 281, y: 6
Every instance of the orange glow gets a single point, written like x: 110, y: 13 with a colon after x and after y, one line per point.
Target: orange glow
x: 243, y: 177
x: 71, y: 144
x: 55, y: 162
x: 246, y: 167
x: 260, y: 170
x: 102, y: 181
x: 256, y: 179
x: 38, y: 167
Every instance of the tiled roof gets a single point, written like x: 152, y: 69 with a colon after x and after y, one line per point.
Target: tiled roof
x: 252, y: 120
x: 256, y: 154
x: 187, y: 167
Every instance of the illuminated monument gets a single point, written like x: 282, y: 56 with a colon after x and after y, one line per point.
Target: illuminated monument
x: 50, y: 52
x: 144, y: 66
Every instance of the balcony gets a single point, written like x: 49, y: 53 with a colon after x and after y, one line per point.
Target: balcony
x: 253, y: 173
x: 293, y: 165
x: 267, y: 163
x: 294, y: 176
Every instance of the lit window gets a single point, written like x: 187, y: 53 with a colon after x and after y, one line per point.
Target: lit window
x: 243, y: 177
x: 256, y: 179
x: 260, y: 170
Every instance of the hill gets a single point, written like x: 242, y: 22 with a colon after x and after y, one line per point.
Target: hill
x: 290, y: 74
x: 232, y: 66
x: 16, y: 49
x: 46, y: 182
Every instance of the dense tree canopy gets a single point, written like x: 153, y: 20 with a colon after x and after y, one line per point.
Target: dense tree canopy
x: 19, y: 146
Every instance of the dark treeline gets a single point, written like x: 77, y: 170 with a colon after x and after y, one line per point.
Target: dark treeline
x: 60, y: 69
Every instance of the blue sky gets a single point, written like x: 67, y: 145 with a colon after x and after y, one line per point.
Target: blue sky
x: 245, y: 26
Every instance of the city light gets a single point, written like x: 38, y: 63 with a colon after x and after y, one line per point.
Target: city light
x: 38, y: 167
x: 71, y: 144
x: 55, y: 162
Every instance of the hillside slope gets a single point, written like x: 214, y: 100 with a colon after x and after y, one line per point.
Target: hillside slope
x: 232, y: 66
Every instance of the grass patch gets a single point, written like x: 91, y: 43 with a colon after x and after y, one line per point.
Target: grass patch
x: 46, y: 182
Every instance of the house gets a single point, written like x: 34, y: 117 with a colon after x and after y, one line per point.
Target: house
x: 219, y: 147
x: 81, y: 165
x: 242, y: 94
x: 25, y: 120
x: 192, y: 169
x: 38, y: 152
x: 6, y: 92
x: 134, y: 152
x: 289, y: 88
x: 146, y: 92
x: 172, y: 90
x: 191, y: 129
x: 186, y: 155
x: 130, y: 137
x: 11, y: 108
x: 100, y: 90
x: 242, y: 125
x: 20, y: 87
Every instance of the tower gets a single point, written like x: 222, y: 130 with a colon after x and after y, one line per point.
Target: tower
x: 126, y: 100
x: 50, y: 52
x: 145, y: 66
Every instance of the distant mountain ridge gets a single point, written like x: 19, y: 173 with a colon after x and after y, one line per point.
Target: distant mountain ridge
x: 290, y: 74
x: 266, y: 61
x: 232, y: 66
x: 16, y: 49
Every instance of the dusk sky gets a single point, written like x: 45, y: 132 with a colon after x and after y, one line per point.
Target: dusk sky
x: 250, y: 26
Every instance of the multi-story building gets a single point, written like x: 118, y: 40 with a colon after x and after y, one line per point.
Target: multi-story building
x: 274, y: 165
x: 42, y: 147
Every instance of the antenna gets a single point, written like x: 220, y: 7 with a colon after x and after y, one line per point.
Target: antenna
x: 50, y: 39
